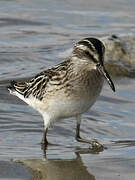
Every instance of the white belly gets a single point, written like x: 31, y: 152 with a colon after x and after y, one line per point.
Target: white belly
x: 63, y: 106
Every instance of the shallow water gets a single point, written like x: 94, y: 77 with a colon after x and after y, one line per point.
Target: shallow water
x: 34, y: 35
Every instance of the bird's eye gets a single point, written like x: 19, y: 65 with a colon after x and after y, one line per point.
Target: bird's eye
x: 87, y: 53
x: 91, y: 56
x: 98, y: 64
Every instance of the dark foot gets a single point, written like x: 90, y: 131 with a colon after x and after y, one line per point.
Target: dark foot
x: 44, y: 143
x: 96, y: 146
x: 44, y: 146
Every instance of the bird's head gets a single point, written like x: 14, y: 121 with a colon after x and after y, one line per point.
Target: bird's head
x: 92, y: 50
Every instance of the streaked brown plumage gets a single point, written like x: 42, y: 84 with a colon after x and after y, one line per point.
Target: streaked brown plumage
x: 68, y: 89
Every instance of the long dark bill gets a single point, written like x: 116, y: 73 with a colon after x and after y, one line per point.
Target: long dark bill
x: 103, y: 71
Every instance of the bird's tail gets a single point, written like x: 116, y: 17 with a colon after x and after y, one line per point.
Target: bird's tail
x: 17, y: 87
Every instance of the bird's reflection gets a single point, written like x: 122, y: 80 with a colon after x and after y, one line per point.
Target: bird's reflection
x: 56, y: 165
x: 60, y: 169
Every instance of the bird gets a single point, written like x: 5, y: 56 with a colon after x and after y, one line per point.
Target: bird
x: 68, y: 89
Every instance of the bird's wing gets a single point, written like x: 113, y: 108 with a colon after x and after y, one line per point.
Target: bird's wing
x: 41, y: 83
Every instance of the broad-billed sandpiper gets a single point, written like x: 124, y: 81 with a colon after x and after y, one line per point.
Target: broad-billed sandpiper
x: 68, y: 89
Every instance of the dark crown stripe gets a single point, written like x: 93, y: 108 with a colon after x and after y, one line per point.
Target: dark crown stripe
x: 98, y: 45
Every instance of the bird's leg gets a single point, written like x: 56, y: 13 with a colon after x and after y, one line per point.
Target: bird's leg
x: 44, y: 141
x: 94, y: 143
x: 78, y: 118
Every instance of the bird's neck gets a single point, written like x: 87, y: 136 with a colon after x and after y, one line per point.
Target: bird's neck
x: 82, y: 65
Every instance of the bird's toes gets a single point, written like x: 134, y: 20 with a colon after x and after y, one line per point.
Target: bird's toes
x: 96, y: 146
